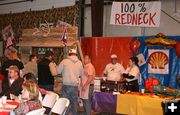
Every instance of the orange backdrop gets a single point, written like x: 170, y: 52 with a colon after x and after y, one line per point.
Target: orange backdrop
x: 101, y: 48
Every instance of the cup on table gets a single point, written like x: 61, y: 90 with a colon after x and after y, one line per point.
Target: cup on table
x: 4, y: 99
x: 142, y: 90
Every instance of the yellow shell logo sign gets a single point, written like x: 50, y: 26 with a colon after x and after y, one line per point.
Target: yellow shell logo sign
x: 158, y: 60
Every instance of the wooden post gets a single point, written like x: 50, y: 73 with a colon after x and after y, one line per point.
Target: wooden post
x: 80, y: 51
x: 97, y: 7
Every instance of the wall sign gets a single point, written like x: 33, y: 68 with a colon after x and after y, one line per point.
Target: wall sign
x: 144, y: 14
x: 158, y: 61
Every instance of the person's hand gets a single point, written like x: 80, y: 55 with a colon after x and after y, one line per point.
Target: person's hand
x: 48, y: 92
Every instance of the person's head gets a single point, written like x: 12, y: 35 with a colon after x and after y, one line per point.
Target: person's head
x: 72, y: 52
x: 113, y: 58
x: 30, y: 91
x: 87, y: 59
x: 33, y: 58
x: 49, y: 55
x: 133, y: 61
x: 29, y: 77
x: 13, y: 72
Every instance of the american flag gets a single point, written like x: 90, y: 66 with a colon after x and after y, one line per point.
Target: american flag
x: 64, y: 36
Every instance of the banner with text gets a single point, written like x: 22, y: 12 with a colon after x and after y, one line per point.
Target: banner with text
x: 144, y: 14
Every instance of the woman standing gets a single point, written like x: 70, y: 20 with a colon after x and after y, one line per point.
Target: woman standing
x: 132, y: 75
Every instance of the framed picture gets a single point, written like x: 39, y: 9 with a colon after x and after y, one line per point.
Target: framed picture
x: 141, y: 59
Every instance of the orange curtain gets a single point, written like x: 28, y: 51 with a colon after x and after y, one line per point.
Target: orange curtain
x: 101, y: 48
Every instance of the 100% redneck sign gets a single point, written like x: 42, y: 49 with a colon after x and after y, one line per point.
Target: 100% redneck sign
x: 144, y: 14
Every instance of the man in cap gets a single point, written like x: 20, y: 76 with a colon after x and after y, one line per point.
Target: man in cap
x: 113, y: 70
x: 12, y: 85
x: 71, y: 69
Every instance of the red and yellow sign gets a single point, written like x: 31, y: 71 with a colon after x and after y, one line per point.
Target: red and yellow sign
x: 158, y: 61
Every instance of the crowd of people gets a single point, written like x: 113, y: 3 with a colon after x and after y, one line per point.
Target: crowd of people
x: 36, y: 78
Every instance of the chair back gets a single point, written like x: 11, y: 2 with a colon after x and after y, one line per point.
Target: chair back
x: 37, y: 112
x: 61, y: 106
x: 50, y: 99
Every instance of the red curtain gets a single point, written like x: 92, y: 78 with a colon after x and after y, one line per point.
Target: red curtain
x: 101, y: 48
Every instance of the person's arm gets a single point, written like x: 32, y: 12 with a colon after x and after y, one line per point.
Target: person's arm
x: 60, y: 67
x: 53, y: 69
x: 122, y: 69
x: 128, y: 76
x: 42, y: 91
x: 91, y: 73
x: 90, y: 79
x: 105, y: 71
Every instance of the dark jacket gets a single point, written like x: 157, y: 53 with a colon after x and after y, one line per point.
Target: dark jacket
x: 15, y: 88
x: 44, y: 73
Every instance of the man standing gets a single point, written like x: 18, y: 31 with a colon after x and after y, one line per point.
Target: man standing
x: 114, y: 70
x: 87, y: 85
x: 31, y: 66
x: 71, y: 69
x: 12, y: 85
x: 46, y: 71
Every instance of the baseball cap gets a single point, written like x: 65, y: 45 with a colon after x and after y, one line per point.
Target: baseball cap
x: 73, y: 51
x: 113, y: 56
x: 13, y: 67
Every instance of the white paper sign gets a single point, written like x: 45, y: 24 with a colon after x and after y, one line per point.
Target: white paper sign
x: 144, y: 14
x: 158, y: 61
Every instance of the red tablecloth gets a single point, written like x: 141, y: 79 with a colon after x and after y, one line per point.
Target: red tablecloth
x: 9, y: 102
x: 12, y: 103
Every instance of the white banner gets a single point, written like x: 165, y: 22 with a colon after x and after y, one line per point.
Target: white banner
x: 158, y: 61
x: 144, y: 14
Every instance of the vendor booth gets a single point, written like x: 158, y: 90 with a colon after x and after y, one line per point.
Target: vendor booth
x: 100, y: 49
x: 159, y: 60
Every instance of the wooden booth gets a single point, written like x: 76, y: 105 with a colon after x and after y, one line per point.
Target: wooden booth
x: 39, y: 40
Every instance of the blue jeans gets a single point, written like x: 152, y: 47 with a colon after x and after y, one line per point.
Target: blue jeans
x: 71, y: 92
x: 87, y: 102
